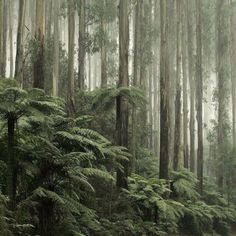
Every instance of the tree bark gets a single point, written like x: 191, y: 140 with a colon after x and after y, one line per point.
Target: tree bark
x: 39, y: 36
x: 10, y: 11
x: 199, y: 92
x: 82, y: 52
x: 191, y: 84
x: 122, y: 115
x: 164, y: 89
x: 71, y: 48
x: 55, y: 73
x: 19, y: 46
x: 178, y: 92
x: 185, y: 92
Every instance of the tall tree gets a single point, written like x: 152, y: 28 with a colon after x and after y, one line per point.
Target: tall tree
x: 155, y: 84
x: 185, y: 84
x: 178, y: 90
x: 191, y: 83
x: 10, y: 14
x: 103, y: 46
x: 71, y: 48
x: 199, y: 91
x: 222, y: 85
x: 55, y: 73
x: 233, y: 71
x: 122, y: 114
x: 38, y: 66
x: 4, y: 38
x: 164, y: 89
x: 82, y: 52
x: 19, y: 45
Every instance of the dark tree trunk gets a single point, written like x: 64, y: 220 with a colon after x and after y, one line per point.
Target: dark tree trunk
x: 164, y: 89
x: 122, y: 115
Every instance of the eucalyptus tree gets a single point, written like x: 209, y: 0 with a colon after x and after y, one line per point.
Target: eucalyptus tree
x: 199, y: 92
x: 164, y: 89
x: 19, y: 47
x: 38, y: 67
x: 122, y: 115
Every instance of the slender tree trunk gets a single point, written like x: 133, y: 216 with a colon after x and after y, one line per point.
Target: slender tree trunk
x: 19, y: 46
x: 185, y: 83
x: 199, y: 92
x: 164, y: 89
x: 103, y: 49
x: 71, y: 48
x: 178, y: 92
x: 233, y: 72
x: 122, y: 115
x: 11, y: 183
x: 4, y: 38
x: 10, y: 8
x: 82, y: 52
x: 55, y: 73
x: 1, y: 35
x: 191, y: 84
x: 222, y: 87
x: 156, y: 87
x: 39, y: 35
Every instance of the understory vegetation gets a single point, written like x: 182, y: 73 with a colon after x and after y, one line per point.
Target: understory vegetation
x: 58, y: 176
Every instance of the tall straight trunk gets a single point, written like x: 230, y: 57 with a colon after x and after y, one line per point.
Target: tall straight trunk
x: 4, y: 38
x: 49, y: 13
x: 172, y: 75
x: 191, y: 84
x: 150, y: 85
x: 1, y: 35
x: 178, y: 92
x: 164, y: 89
x: 10, y: 11
x: 82, y: 52
x: 222, y: 86
x: 55, y: 73
x: 71, y: 48
x: 155, y: 86
x: 122, y: 115
x: 11, y: 177
x: 19, y: 45
x: 233, y: 73
x: 136, y: 62
x: 199, y: 92
x: 103, y: 49
x: 185, y: 92
x: 39, y: 35
x: 150, y: 111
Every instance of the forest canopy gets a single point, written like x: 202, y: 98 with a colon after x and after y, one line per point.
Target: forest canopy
x: 117, y: 117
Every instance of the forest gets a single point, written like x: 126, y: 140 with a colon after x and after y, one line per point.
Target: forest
x: 117, y: 117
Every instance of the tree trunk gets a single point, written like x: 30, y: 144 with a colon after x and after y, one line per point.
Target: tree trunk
x: 4, y: 38
x: 164, y: 89
x: 199, y: 92
x: 122, y: 114
x: 39, y: 36
x: 71, y: 48
x: 103, y: 49
x: 178, y: 92
x: 10, y: 8
x: 222, y: 87
x: 191, y: 84
x: 55, y: 74
x: 19, y: 46
x: 233, y: 72
x: 11, y: 183
x: 155, y: 85
x: 82, y: 45
x: 185, y: 92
